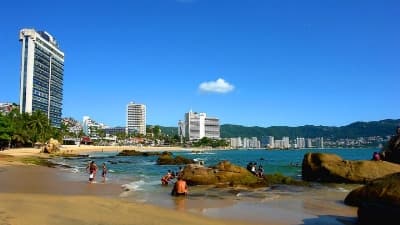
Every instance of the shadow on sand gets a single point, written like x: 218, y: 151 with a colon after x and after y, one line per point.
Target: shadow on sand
x: 330, y: 220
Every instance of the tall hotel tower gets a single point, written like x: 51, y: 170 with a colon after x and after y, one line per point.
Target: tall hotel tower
x: 198, y: 125
x: 136, y: 118
x: 42, y: 70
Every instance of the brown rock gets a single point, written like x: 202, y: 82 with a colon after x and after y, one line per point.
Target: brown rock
x: 378, y: 201
x: 223, y: 173
x: 324, y: 167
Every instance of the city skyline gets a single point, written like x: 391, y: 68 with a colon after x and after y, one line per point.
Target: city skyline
x: 248, y: 63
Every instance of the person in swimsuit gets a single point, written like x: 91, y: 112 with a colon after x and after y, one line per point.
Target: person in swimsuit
x: 104, y: 172
x: 180, y: 188
x: 92, y: 167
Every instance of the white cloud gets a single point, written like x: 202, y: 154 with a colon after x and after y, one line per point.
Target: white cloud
x: 218, y: 86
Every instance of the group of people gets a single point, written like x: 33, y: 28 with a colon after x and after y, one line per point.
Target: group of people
x: 92, y: 169
x: 252, y: 167
x: 180, y: 187
x: 170, y: 176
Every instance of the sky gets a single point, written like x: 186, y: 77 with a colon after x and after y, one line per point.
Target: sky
x: 247, y: 62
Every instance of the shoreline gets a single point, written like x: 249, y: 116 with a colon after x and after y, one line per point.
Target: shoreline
x: 32, y: 194
x: 283, y: 210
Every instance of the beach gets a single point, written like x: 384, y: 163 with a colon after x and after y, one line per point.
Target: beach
x: 31, y: 194
x: 51, y: 196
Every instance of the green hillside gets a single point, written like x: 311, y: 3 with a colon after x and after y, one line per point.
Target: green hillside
x: 358, y: 129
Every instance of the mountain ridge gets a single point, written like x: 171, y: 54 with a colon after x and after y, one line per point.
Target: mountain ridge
x: 356, y: 129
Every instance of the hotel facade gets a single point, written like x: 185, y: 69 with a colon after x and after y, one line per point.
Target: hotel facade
x: 42, y: 71
x: 136, y: 118
x: 198, y: 125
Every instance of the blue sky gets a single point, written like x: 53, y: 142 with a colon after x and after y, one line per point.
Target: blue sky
x: 250, y: 62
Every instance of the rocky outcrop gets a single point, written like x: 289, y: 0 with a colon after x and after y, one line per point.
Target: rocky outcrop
x: 136, y: 153
x: 324, y: 167
x: 378, y: 201
x: 223, y: 173
x: 391, y: 151
x: 167, y: 158
x: 52, y: 146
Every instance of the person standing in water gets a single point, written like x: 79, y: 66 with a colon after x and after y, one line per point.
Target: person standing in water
x: 104, y: 172
x: 92, y: 167
x: 180, y: 187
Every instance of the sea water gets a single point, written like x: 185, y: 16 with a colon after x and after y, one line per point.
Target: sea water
x: 139, y: 177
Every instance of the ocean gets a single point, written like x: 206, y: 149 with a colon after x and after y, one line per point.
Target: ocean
x: 139, y: 177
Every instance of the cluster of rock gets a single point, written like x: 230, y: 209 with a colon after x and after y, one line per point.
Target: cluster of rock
x: 323, y: 167
x: 51, y: 146
x: 378, y: 201
x: 167, y: 158
x: 391, y: 151
x: 136, y: 153
x: 224, y: 173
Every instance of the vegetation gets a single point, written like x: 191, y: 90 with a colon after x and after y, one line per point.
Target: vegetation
x: 278, y: 178
x: 204, y: 142
x: 37, y: 161
x: 354, y: 130
x: 22, y: 129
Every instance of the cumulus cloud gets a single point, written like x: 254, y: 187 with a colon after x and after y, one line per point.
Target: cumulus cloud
x: 218, y: 86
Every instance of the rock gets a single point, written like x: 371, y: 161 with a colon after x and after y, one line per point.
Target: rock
x: 378, y: 201
x: 52, y: 146
x: 324, y: 167
x: 136, y: 153
x: 391, y: 151
x: 167, y: 158
x: 223, y: 173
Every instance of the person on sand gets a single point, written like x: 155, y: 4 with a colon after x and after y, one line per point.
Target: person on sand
x: 104, y: 172
x: 180, y: 188
x: 92, y: 168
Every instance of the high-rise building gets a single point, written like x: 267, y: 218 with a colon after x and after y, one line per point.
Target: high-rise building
x: 198, y: 125
x: 42, y: 71
x: 136, y: 118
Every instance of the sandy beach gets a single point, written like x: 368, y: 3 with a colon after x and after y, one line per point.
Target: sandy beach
x: 51, y: 196
x: 32, y: 194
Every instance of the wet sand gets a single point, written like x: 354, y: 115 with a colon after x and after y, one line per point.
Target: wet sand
x: 41, y: 195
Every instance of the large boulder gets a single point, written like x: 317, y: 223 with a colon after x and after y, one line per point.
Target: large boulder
x: 391, y: 151
x: 378, y: 201
x: 223, y: 173
x: 136, y: 153
x: 323, y: 167
x: 167, y: 158
x: 52, y: 146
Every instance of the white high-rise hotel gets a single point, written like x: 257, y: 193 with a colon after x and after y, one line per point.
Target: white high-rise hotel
x: 136, y: 118
x: 198, y: 125
x: 42, y: 71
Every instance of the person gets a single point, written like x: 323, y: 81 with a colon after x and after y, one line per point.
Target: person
x: 92, y: 167
x: 376, y: 156
x: 104, y: 172
x: 180, y: 188
x: 165, y: 179
x: 260, y: 172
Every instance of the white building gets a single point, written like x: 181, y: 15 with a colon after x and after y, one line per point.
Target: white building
x: 198, y: 125
x: 136, y: 118
x: 300, y: 142
x: 236, y: 142
x: 91, y: 127
x: 42, y: 71
x: 271, y: 142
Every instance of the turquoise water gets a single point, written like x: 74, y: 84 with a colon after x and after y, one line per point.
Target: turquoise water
x: 141, y: 173
x: 140, y: 178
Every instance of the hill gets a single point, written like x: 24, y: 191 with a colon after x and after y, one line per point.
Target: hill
x: 358, y: 129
